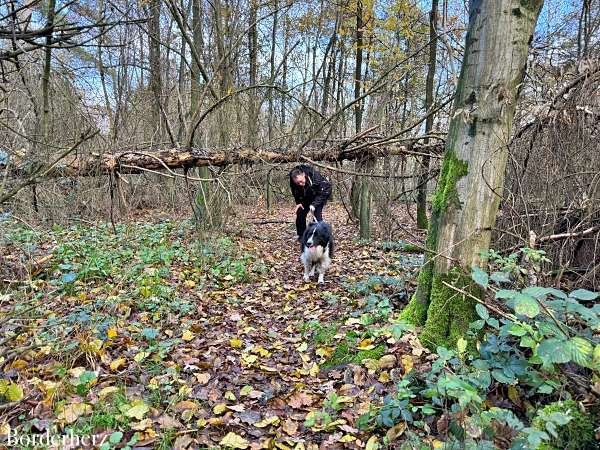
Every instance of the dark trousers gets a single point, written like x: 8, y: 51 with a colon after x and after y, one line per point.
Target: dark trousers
x: 301, y: 217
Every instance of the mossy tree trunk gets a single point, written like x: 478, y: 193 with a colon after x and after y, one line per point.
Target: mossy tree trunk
x: 468, y: 195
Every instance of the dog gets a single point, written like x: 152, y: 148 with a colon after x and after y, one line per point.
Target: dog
x: 317, y: 249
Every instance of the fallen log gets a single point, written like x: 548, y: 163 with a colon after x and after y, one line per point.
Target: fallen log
x: 136, y: 161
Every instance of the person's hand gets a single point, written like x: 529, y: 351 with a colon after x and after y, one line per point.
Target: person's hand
x: 312, y: 209
x: 298, y: 206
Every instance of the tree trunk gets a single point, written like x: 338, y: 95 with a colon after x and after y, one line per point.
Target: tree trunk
x: 270, y: 118
x: 132, y: 161
x: 45, y: 122
x: 253, y: 54
x: 424, y: 170
x: 471, y: 181
x: 355, y: 194
x: 155, y: 66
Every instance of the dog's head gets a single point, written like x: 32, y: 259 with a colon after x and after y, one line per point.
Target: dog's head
x: 317, y: 234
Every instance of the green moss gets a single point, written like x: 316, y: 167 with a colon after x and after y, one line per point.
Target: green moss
x: 422, y: 221
x: 343, y: 355
x: 415, y: 312
x: 531, y: 5
x: 453, y: 169
x: 374, y: 353
x: 449, y: 313
x: 578, y: 434
x: 412, y: 248
x: 324, y: 334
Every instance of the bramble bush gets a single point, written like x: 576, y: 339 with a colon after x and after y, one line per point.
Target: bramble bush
x: 531, y: 346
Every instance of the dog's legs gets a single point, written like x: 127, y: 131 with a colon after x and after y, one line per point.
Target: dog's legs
x: 312, y: 270
x: 321, y: 270
x: 306, y: 269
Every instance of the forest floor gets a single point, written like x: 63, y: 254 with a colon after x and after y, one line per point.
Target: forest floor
x: 151, y: 337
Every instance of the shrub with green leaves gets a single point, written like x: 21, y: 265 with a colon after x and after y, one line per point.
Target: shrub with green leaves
x: 576, y: 434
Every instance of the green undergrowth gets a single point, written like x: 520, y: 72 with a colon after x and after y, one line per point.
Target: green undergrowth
x: 514, y: 380
x: 345, y: 354
x: 150, y: 271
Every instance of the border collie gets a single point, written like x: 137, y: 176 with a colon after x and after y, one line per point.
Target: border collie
x: 317, y: 249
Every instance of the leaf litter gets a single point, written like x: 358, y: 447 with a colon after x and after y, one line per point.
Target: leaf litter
x: 173, y: 342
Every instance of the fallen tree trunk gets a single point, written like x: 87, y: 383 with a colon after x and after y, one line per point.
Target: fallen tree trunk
x: 136, y: 161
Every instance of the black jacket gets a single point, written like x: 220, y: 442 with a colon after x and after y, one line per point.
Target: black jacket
x: 316, y: 190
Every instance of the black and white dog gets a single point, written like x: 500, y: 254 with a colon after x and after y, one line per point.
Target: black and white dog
x: 317, y: 249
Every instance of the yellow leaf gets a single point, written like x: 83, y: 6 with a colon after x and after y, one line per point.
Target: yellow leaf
x: 384, y: 377
x: 236, y: 343
x: 13, y: 392
x: 372, y: 443
x: 302, y: 347
x: 347, y: 438
x: 71, y: 412
x: 141, y: 356
x: 407, y: 363
x: 234, y: 441
x: 142, y: 425
x: 187, y: 335
x: 220, y: 408
x: 396, y: 431
x: 117, y: 364
x: 230, y: 396
x: 366, y: 344
x: 273, y: 420
x: 228, y: 277
x: 437, y: 444
x: 314, y: 370
x: 112, y: 333
x: 190, y: 283
x: 246, y: 390
x: 371, y: 364
x: 513, y: 394
x: 138, y: 409
x: 18, y: 364
x: 107, y: 391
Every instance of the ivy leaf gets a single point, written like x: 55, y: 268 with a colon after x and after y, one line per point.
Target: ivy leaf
x: 480, y: 277
x: 482, y: 311
x: 505, y: 293
x: 115, y: 438
x: 584, y: 295
x: 526, y: 306
x: 500, y: 277
x: 501, y: 376
x: 554, y: 350
x: 68, y: 277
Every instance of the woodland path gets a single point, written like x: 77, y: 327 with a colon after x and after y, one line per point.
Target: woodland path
x: 265, y: 362
x: 274, y: 334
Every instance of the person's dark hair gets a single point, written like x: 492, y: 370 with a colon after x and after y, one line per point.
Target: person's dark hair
x: 295, y: 172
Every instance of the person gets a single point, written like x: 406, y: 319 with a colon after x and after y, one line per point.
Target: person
x: 311, y: 190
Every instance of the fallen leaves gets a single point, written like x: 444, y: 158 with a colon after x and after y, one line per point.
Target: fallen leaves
x: 225, y: 350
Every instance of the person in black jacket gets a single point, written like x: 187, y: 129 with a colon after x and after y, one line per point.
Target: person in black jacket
x: 311, y: 190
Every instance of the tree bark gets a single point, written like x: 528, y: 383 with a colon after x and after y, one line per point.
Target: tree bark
x: 137, y: 161
x: 253, y: 53
x: 424, y: 174
x: 155, y: 66
x: 471, y: 181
